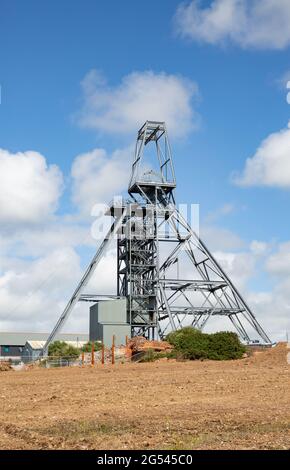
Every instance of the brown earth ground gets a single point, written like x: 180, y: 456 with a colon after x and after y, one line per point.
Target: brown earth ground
x: 241, y: 404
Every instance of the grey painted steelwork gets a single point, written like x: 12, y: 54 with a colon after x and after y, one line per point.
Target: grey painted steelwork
x: 157, y: 301
x: 154, y: 239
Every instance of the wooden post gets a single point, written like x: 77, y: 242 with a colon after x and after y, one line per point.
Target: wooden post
x: 128, y: 350
x: 113, y: 350
x: 103, y: 353
x: 93, y: 353
x: 83, y: 358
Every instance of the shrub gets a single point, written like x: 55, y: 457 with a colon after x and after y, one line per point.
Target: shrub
x: 190, y: 343
x: 88, y: 346
x: 225, y: 345
x: 62, y: 349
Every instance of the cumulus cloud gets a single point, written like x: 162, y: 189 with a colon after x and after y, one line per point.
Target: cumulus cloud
x: 259, y: 248
x: 239, y: 266
x: 220, y: 212
x: 140, y: 96
x: 97, y: 177
x: 38, y: 240
x: 29, y: 187
x: 270, y: 165
x: 246, y: 23
x: 279, y: 262
x: 271, y: 307
x: 33, y: 294
x: 272, y: 310
x: 284, y: 81
x: 39, y: 264
x: 220, y: 239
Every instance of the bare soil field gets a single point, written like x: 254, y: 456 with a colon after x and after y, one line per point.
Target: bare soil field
x: 242, y: 404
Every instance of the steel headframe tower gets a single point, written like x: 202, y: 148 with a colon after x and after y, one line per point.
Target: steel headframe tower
x: 155, y: 241
x: 164, y: 270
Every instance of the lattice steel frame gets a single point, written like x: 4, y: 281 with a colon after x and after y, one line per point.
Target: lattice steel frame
x: 154, y: 298
x: 157, y: 303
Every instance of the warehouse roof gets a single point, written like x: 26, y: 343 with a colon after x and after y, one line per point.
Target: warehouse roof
x: 19, y: 339
x: 39, y: 344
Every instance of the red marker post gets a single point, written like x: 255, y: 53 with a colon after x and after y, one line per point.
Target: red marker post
x: 113, y: 350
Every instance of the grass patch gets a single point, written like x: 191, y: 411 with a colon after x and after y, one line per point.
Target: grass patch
x: 151, y: 356
x: 85, y: 429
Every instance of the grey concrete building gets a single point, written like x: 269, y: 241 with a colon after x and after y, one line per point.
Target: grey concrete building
x: 108, y: 318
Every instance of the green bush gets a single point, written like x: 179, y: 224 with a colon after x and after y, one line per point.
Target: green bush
x: 88, y: 346
x: 225, y: 345
x: 62, y: 349
x: 190, y: 343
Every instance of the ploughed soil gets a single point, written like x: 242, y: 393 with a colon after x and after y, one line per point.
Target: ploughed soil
x: 242, y: 404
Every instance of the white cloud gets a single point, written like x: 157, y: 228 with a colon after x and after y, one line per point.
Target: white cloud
x: 39, y: 266
x: 248, y: 23
x: 279, y: 262
x: 29, y: 188
x: 39, y: 240
x: 97, y: 177
x: 104, y: 279
x: 140, y: 96
x: 220, y: 212
x: 272, y: 307
x: 240, y: 267
x: 259, y: 248
x: 220, y: 239
x: 272, y: 310
x: 270, y: 166
x: 283, y: 81
x: 34, y: 294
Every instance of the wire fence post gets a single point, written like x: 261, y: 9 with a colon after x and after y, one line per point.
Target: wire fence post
x: 83, y: 358
x: 113, y: 350
x: 103, y: 353
x: 93, y: 353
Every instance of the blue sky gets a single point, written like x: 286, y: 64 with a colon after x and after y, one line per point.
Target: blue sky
x: 48, y: 48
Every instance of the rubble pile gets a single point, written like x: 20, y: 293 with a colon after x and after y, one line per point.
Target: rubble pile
x: 140, y: 344
x: 5, y: 366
